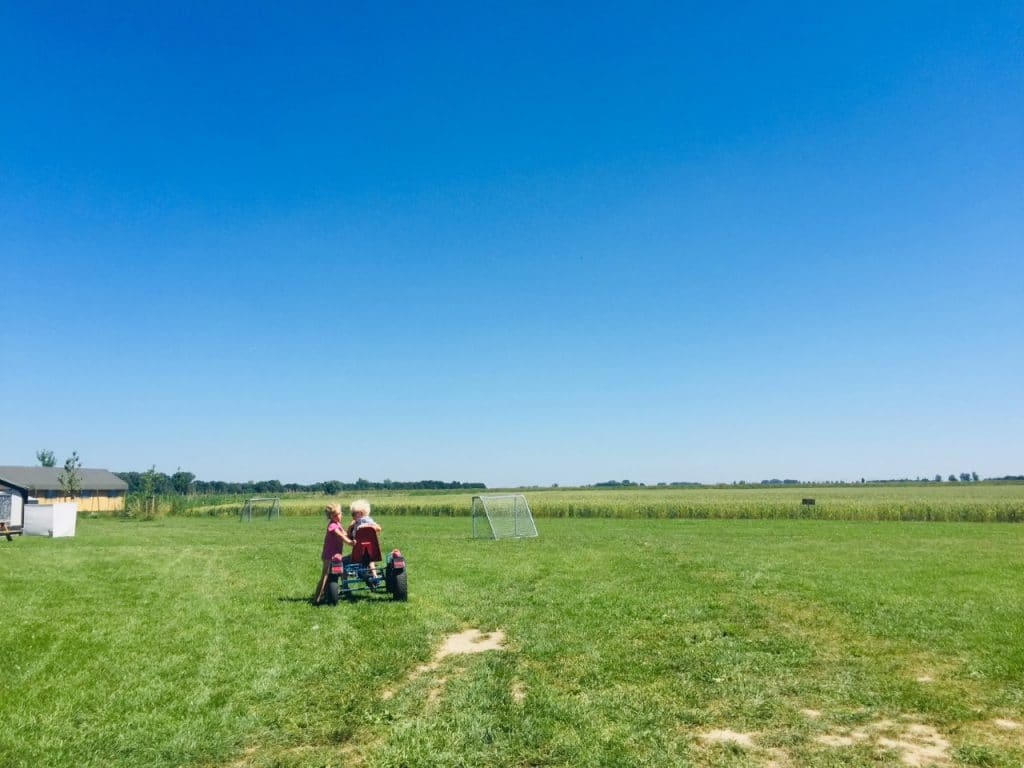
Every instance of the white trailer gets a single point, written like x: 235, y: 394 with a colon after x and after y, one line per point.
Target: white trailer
x: 12, y: 518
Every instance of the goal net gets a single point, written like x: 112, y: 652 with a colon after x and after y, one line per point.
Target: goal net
x: 505, y: 516
x: 266, y: 507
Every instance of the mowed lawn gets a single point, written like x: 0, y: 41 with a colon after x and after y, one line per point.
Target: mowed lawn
x: 191, y: 642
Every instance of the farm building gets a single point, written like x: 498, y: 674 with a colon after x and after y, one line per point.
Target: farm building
x: 100, y: 490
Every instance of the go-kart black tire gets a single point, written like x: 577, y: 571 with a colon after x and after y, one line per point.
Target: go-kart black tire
x: 400, y: 587
x: 332, y: 593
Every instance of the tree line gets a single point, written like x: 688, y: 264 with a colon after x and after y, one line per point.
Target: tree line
x: 184, y: 483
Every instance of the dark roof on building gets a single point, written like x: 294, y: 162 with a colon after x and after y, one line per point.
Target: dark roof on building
x: 48, y: 479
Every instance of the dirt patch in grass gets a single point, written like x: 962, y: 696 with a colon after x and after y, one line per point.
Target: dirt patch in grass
x: 464, y: 642
x: 471, y: 641
x: 766, y: 757
x: 518, y: 691
x: 1007, y: 725
x: 722, y: 736
x: 917, y: 744
x: 435, y: 690
x: 837, y: 740
x: 460, y: 643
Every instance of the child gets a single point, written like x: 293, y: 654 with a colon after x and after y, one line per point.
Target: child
x: 360, y: 509
x: 334, y: 540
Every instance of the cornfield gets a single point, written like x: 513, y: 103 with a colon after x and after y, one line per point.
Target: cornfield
x: 963, y: 502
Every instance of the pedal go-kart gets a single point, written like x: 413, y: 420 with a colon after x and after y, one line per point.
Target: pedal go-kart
x: 365, y: 570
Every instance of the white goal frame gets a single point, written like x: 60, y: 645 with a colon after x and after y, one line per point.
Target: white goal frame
x: 502, y: 516
x: 257, y: 504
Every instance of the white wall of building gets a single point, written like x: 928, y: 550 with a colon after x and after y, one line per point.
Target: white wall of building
x: 51, y: 519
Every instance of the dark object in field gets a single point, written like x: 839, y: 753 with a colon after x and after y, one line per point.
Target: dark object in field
x: 807, y: 502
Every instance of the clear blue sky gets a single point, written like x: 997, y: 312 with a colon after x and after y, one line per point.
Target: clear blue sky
x: 527, y: 245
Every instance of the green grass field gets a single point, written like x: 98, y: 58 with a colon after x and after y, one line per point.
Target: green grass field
x: 190, y: 642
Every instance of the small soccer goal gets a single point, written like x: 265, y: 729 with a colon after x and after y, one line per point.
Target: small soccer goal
x: 502, y: 516
x: 266, y: 507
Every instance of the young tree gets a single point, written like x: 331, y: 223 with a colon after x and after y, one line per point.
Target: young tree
x: 70, y: 477
x: 46, y: 458
x: 974, y: 476
x: 181, y: 481
x: 147, y: 492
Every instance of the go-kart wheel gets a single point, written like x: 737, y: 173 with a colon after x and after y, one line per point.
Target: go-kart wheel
x: 400, y: 586
x: 332, y: 592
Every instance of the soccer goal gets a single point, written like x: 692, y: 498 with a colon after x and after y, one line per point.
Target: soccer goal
x: 266, y: 507
x: 505, y: 516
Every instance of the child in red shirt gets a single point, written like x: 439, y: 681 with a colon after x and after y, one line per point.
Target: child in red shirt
x: 334, y: 540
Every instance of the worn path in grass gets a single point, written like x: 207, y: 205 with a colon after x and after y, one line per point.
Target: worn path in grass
x: 601, y: 643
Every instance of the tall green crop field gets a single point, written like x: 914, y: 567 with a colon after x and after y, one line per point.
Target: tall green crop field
x: 962, y: 502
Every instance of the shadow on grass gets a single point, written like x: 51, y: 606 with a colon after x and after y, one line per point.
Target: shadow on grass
x: 360, y: 599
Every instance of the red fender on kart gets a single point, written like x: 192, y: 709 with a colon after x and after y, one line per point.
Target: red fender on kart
x: 395, y: 560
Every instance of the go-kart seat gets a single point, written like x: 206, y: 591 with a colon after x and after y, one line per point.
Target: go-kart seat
x: 366, y: 549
